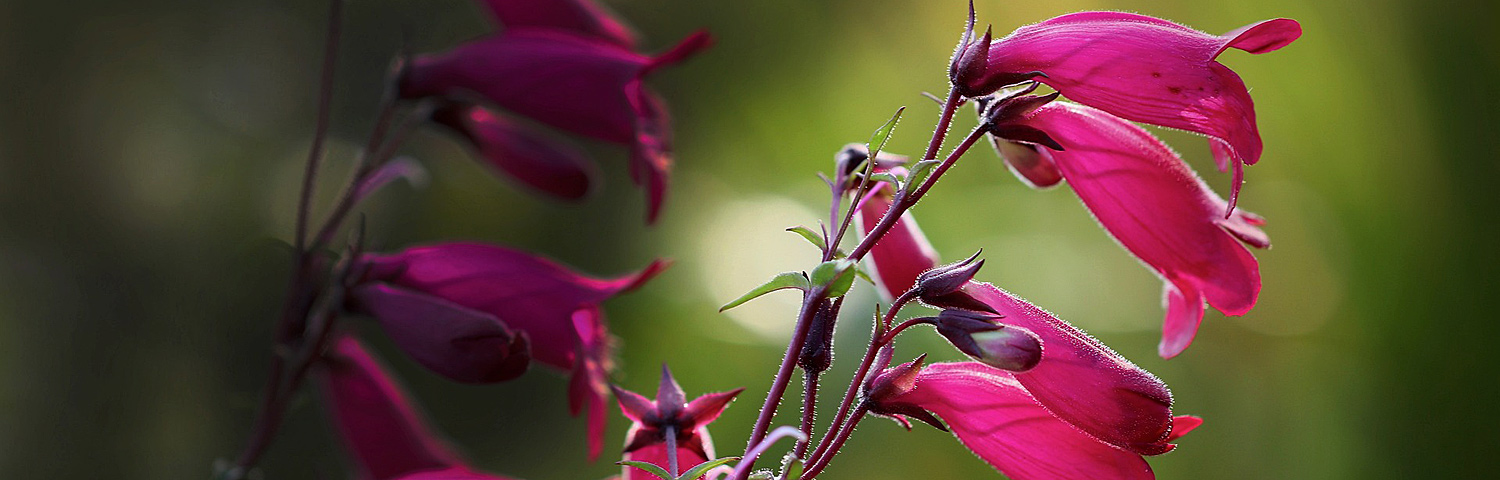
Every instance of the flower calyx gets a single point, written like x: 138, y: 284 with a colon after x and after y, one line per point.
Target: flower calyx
x: 670, y: 412
x: 1002, y: 115
x: 893, y: 382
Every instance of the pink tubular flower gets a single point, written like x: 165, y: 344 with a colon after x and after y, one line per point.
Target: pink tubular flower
x: 1148, y: 199
x: 904, y: 252
x: 577, y: 83
x: 530, y: 157
x: 381, y: 428
x: 670, y: 414
x: 1078, y: 379
x: 1149, y: 70
x: 557, y: 310
x: 997, y: 418
x: 579, y: 16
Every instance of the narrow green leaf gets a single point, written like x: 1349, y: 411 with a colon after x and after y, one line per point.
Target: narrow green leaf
x: 883, y: 134
x: 782, y: 280
x: 704, y: 467
x: 810, y: 235
x: 887, y: 177
x: 919, y: 172
x: 864, y: 275
x: 836, y: 275
x: 648, y: 467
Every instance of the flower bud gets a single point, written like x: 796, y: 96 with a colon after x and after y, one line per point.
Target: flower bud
x: 817, y: 349
x: 891, y: 383
x: 970, y: 61
x: 946, y: 279
x: 984, y: 338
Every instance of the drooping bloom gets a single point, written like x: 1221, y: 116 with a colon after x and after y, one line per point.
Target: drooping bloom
x: 379, y: 425
x: 1077, y: 379
x: 554, y: 309
x: 577, y: 82
x: 520, y: 152
x: 996, y: 417
x: 1148, y: 70
x: 669, y: 415
x: 579, y: 16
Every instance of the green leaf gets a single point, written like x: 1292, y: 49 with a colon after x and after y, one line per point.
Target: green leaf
x: 782, y: 281
x: 836, y: 275
x: 791, y: 466
x: 887, y: 177
x: 810, y: 235
x: 919, y: 172
x: 648, y: 467
x: 883, y: 134
x: 864, y: 275
x: 704, y: 467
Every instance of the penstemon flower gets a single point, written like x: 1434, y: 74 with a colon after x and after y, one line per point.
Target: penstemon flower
x: 553, y: 307
x: 669, y: 431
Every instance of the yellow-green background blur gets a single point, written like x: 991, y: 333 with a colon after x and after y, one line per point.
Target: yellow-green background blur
x: 150, y: 153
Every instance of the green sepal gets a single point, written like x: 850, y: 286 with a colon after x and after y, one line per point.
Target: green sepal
x: 648, y: 467
x: 704, y: 467
x: 919, y: 172
x: 813, y: 237
x: 783, y: 280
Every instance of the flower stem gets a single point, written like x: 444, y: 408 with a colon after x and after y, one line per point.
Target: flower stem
x: 809, y: 408
x: 878, y: 339
x: 670, y: 433
x: 818, y: 464
x: 320, y: 131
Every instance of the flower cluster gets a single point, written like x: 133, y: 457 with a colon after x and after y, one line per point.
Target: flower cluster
x: 1038, y: 399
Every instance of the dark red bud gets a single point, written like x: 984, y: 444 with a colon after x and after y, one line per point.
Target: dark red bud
x: 817, y: 349
x: 947, y: 279
x: 970, y: 62
x: 984, y: 338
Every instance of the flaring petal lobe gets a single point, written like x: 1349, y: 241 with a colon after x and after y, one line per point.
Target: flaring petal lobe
x: 1158, y: 209
x: 994, y: 416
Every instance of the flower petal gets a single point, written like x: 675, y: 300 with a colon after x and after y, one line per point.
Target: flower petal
x: 656, y: 454
x: 579, y: 16
x: 529, y: 293
x: 1159, y: 210
x: 459, y: 473
x: 903, y: 253
x: 520, y: 152
x: 1083, y: 382
x: 995, y: 417
x: 588, y: 389
x: 379, y: 425
x: 462, y: 344
x: 1148, y: 70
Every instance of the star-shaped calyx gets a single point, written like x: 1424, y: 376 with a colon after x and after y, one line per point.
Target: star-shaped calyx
x: 670, y: 414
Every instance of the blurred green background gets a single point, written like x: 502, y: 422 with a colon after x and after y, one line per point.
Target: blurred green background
x: 150, y: 152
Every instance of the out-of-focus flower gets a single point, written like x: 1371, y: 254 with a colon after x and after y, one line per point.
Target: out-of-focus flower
x: 669, y: 415
x: 578, y: 83
x: 997, y: 418
x: 379, y: 425
x: 520, y: 152
x: 1148, y: 70
x: 1148, y: 199
x: 553, y: 307
x: 579, y: 16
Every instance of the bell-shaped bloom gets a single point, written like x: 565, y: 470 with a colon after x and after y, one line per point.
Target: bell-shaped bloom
x: 670, y: 414
x: 1148, y: 199
x: 381, y: 428
x: 520, y: 152
x: 579, y: 16
x: 996, y: 417
x: 1148, y: 70
x: 555, y: 309
x: 576, y: 83
x: 1078, y: 379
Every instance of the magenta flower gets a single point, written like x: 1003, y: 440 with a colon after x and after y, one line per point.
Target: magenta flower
x: 577, y: 83
x: 1080, y: 380
x: 1148, y: 70
x: 997, y: 418
x: 670, y: 414
x: 904, y: 252
x: 579, y: 16
x: 461, y: 285
x: 521, y: 152
x: 379, y: 425
x: 1145, y: 196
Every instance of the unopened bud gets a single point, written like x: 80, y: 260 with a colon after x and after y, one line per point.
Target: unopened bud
x: 1027, y: 163
x: 984, y: 338
x: 970, y: 62
x: 946, y: 279
x: 817, y: 348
